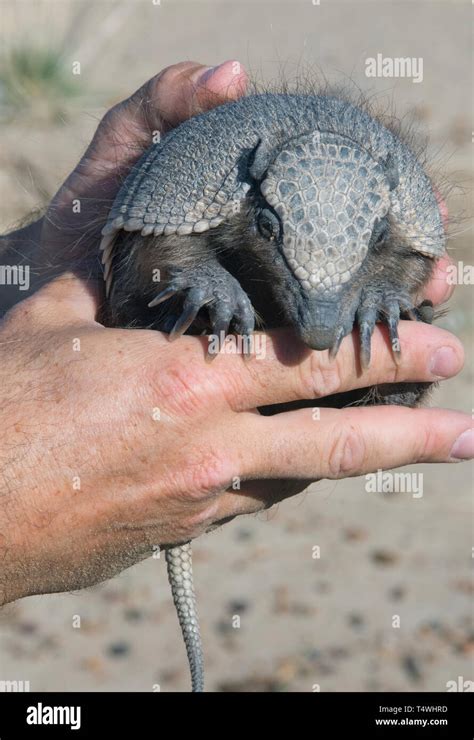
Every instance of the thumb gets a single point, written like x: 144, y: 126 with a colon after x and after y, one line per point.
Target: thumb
x: 166, y: 100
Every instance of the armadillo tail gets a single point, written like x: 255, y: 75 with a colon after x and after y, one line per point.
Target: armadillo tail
x: 180, y: 573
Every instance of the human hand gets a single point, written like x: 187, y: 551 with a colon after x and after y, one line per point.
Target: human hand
x: 67, y: 237
x: 87, y: 416
x: 115, y: 441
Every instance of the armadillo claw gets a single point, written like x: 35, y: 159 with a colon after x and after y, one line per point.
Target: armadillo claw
x: 244, y: 324
x: 213, y: 286
x: 337, y: 343
x: 365, y: 331
x: 163, y: 296
x: 220, y: 329
x: 193, y: 303
x: 391, y: 319
x: 387, y: 307
x: 366, y: 317
x: 394, y: 340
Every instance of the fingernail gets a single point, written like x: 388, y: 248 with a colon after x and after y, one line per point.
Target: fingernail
x: 463, y: 448
x: 444, y: 363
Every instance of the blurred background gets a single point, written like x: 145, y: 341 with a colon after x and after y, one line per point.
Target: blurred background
x: 303, y: 620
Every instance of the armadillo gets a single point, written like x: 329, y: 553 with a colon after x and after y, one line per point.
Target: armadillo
x: 303, y: 210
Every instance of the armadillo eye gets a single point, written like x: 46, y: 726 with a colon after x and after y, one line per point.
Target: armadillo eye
x: 268, y: 224
x: 380, y: 232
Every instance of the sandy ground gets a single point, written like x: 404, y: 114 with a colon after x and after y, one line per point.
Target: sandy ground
x: 330, y: 620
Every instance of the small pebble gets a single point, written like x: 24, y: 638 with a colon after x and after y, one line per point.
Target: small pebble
x: 338, y: 652
x: 27, y: 628
x: 118, y: 649
x: 252, y: 684
x: 397, y: 593
x: 133, y: 615
x: 411, y: 667
x: 224, y: 627
x: 92, y: 665
x: 322, y: 587
x: 355, y: 534
x: 243, y: 534
x: 237, y: 607
x: 384, y: 557
x: 356, y: 620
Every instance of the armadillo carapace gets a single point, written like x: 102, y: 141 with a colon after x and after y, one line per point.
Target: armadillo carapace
x: 302, y: 209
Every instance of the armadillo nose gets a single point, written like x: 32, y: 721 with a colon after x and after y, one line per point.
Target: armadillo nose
x: 318, y: 338
x: 320, y: 330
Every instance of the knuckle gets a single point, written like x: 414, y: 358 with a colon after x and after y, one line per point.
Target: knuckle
x: 428, y: 439
x: 398, y: 372
x: 203, y: 520
x: 28, y: 311
x: 207, y: 474
x: 183, y: 530
x: 253, y: 379
x: 321, y: 376
x: 166, y: 77
x: 16, y: 315
x: 184, y: 384
x: 395, y: 373
x: 237, y: 387
x: 118, y: 120
x: 187, y: 529
x: 347, y: 452
x: 111, y: 118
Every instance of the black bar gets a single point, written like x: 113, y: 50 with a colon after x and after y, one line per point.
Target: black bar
x: 137, y: 715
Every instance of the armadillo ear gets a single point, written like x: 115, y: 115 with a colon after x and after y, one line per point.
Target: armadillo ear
x: 423, y: 234
x: 391, y: 171
x: 260, y: 159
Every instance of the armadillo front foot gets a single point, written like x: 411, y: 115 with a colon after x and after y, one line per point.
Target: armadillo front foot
x: 209, y: 285
x: 387, y: 307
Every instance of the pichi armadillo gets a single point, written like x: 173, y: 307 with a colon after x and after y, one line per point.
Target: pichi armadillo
x: 302, y: 209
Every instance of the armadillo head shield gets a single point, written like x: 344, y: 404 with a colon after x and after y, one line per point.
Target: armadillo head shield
x: 329, y: 194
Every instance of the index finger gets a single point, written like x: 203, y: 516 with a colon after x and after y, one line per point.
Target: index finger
x: 286, y: 371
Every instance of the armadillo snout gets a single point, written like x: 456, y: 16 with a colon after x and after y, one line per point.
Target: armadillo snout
x: 319, y: 339
x: 320, y: 329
